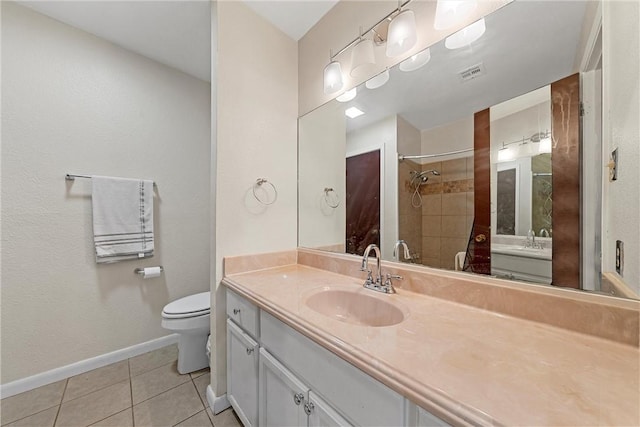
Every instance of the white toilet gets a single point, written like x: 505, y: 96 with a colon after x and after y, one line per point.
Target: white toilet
x: 189, y: 317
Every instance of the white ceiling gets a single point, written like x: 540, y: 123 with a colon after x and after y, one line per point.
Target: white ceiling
x: 176, y: 33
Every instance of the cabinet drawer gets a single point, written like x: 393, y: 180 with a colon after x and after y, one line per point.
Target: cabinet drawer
x: 364, y: 400
x: 241, y: 311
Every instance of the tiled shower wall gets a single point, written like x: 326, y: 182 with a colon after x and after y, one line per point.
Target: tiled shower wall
x: 447, y: 211
x: 409, y: 217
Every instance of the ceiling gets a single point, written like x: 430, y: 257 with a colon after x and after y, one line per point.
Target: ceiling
x: 176, y: 33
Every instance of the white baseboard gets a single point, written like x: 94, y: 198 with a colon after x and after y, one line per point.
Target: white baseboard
x: 57, y: 374
x: 217, y: 404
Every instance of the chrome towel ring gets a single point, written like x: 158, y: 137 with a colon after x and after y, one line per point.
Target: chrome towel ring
x: 265, y: 200
x: 331, y: 198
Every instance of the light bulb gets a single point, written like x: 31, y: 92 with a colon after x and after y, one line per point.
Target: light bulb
x: 402, y: 34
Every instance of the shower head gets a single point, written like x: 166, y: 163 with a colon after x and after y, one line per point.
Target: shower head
x: 421, y: 177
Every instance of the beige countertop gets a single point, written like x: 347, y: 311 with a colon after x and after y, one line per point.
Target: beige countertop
x: 464, y: 364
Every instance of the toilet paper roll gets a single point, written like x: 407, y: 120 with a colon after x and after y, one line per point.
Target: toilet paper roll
x: 151, y: 272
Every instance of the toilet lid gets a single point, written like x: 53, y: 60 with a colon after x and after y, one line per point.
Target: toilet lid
x: 192, y: 305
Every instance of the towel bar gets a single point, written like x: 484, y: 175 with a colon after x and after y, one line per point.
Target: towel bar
x: 72, y: 177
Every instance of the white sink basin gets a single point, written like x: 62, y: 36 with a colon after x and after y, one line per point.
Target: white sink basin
x: 356, y: 305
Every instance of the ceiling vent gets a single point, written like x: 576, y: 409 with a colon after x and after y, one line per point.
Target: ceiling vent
x: 472, y: 72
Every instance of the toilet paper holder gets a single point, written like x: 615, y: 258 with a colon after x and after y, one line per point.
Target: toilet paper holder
x: 140, y: 271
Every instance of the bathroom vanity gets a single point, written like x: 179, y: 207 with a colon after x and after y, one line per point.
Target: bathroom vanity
x: 297, y: 356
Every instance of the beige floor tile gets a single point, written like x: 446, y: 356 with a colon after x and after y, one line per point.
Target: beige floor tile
x: 226, y: 418
x: 121, y: 419
x: 31, y: 402
x: 199, y: 373
x: 201, y: 419
x: 201, y: 384
x: 45, y: 418
x: 154, y: 359
x: 95, y: 380
x: 95, y: 406
x: 159, y: 380
x: 168, y: 408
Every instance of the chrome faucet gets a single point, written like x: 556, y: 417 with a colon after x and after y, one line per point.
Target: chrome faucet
x: 376, y: 284
x: 407, y: 253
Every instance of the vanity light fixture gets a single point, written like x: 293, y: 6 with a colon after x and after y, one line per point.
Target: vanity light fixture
x: 403, y: 34
x: 401, y: 37
x: 450, y: 12
x: 353, y: 112
x: 376, y: 81
x: 362, y: 57
x: 347, y: 96
x: 416, y: 61
x: 466, y: 36
x: 332, y: 77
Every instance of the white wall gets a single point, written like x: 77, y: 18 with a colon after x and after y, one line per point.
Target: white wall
x: 621, y: 100
x: 377, y: 135
x: 322, y: 164
x: 257, y: 108
x: 454, y: 136
x: 73, y: 103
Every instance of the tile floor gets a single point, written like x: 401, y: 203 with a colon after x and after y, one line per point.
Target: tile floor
x: 146, y: 390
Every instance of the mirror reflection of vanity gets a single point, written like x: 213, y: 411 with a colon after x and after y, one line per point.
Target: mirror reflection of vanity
x: 422, y: 125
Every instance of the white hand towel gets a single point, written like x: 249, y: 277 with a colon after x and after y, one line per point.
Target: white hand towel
x: 122, y: 218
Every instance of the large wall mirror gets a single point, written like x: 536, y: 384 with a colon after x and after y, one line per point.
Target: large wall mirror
x: 406, y: 167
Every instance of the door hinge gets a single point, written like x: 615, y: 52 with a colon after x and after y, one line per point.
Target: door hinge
x: 581, y: 109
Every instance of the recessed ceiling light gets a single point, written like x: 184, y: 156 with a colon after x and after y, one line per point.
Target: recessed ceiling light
x: 347, y: 96
x: 353, y: 112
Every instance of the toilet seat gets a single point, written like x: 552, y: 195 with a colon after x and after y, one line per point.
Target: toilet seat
x: 189, y: 306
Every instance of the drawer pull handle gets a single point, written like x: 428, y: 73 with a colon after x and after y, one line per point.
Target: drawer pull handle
x: 249, y: 350
x: 236, y: 311
x: 308, y: 408
x: 298, y: 398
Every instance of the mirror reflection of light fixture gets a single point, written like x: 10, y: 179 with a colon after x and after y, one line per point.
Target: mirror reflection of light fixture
x: 466, y: 36
x: 353, y: 112
x: 332, y: 77
x: 402, y: 35
x: 545, y: 145
x: 416, y: 61
x: 506, y: 154
x: 377, y: 81
x: 347, y: 96
x: 450, y: 12
x: 362, y: 58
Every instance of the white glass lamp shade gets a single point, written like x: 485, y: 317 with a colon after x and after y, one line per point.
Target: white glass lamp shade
x: 416, y: 61
x: 450, y: 12
x: 402, y: 34
x: 332, y: 78
x: 545, y: 146
x: 377, y: 81
x: 506, y: 154
x: 466, y: 36
x: 347, y: 96
x: 362, y: 58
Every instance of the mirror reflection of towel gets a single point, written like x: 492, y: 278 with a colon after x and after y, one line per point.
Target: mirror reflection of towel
x: 459, y: 261
x: 122, y: 218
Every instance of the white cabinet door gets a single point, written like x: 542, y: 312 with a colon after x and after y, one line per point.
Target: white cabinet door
x: 321, y: 414
x: 282, y: 395
x: 242, y: 374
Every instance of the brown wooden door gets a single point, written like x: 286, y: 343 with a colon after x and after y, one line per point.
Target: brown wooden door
x: 363, y: 202
x: 478, y: 259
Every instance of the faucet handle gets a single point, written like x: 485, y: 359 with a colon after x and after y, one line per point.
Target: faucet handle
x: 391, y: 276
